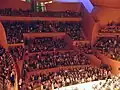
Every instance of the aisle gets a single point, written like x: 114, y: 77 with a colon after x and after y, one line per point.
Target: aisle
x: 16, y: 83
x: 15, y: 87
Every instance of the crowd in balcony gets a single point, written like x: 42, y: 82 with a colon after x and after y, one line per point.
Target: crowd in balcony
x: 84, y: 47
x: 46, y: 60
x: 66, y: 77
x: 14, y: 30
x: 7, y: 68
x: 113, y: 27
x: 29, y: 13
x: 39, y: 44
x: 17, y: 52
x: 109, y: 46
x: 2, y: 50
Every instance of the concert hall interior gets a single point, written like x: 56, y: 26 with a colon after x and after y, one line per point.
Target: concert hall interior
x: 59, y: 44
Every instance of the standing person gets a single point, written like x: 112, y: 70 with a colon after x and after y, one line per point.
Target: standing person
x: 12, y: 77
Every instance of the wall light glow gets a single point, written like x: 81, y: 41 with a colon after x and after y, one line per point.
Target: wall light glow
x: 86, y: 3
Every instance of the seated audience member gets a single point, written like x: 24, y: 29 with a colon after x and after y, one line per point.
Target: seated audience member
x: 15, y: 29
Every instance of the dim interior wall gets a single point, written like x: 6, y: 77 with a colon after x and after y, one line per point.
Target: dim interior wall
x: 106, y: 3
x: 95, y: 33
x: 3, y: 39
x: 105, y: 15
x: 69, y: 41
x: 94, y: 60
x: 88, y: 23
x: 59, y: 6
x: 15, y: 4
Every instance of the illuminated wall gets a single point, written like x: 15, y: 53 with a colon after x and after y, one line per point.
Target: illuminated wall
x: 86, y: 3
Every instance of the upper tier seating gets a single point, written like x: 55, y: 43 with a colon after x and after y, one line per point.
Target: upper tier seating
x: 109, y: 46
x: 84, y: 47
x: 39, y: 44
x: 112, y: 27
x: 28, y: 13
x: 17, y: 52
x: 14, y: 30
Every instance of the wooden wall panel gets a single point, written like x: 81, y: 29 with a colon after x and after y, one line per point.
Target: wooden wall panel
x: 88, y: 23
x: 3, y: 39
x: 58, y: 6
x: 15, y: 4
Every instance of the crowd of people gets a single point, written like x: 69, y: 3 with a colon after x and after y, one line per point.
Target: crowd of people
x: 14, y: 30
x: 113, y: 27
x: 29, y: 13
x: 39, y: 44
x: 109, y: 46
x: 84, y: 47
x: 66, y: 77
x: 17, y: 52
x: 7, y: 68
x: 46, y: 60
x: 2, y: 50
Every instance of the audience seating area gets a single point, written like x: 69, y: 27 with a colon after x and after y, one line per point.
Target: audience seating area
x: 7, y: 67
x: 17, y: 52
x: 66, y: 77
x: 113, y: 27
x: 39, y: 44
x: 14, y: 30
x: 109, y: 46
x: 53, y: 59
x: 29, y: 13
x: 84, y: 47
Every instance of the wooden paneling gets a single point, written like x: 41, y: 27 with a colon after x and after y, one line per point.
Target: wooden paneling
x: 15, y: 4
x: 3, y: 39
x: 30, y: 35
x: 58, y: 6
x: 106, y: 3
